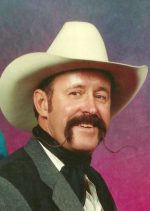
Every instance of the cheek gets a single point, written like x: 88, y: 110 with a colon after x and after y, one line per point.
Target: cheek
x: 104, y: 113
x: 67, y: 110
x: 62, y: 112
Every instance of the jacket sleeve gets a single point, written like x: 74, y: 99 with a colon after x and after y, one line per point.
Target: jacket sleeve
x: 11, y: 198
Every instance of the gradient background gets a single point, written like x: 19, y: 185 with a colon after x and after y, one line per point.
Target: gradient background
x: 31, y: 25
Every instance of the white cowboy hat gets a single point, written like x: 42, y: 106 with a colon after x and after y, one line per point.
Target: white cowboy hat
x: 78, y: 45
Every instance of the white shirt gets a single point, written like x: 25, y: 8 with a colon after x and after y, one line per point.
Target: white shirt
x: 92, y: 202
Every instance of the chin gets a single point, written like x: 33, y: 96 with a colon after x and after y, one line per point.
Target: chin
x: 84, y: 148
x: 83, y: 141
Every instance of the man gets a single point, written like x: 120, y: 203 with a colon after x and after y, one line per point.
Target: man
x: 76, y: 92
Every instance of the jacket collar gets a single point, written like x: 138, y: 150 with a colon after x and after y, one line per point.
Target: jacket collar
x: 63, y: 195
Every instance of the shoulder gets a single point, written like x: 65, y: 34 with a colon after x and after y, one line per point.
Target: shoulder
x: 17, y: 166
x: 14, y: 162
x: 21, y: 183
x: 11, y: 176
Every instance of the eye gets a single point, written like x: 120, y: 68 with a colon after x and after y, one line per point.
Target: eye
x: 102, y: 98
x: 75, y: 93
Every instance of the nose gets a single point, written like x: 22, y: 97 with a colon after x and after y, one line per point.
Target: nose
x: 89, y: 105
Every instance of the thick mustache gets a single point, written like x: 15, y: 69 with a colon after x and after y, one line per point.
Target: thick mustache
x: 86, y: 119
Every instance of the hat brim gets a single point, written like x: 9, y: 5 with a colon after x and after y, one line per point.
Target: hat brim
x: 23, y: 75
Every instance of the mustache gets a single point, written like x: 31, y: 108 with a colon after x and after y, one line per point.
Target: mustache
x: 86, y: 119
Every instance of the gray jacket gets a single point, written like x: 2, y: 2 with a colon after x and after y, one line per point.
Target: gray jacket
x: 30, y: 181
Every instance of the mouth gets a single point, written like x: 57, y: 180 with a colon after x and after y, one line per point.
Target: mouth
x: 86, y: 125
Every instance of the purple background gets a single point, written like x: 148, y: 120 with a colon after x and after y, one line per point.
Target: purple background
x: 31, y: 26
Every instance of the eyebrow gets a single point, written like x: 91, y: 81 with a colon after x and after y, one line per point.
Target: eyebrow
x: 76, y: 86
x: 100, y: 88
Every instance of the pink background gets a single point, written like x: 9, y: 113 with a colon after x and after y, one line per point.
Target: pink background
x: 31, y: 25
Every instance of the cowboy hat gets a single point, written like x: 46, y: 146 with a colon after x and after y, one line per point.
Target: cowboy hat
x: 78, y: 45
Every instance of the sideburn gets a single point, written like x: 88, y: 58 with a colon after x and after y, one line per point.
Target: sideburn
x: 49, y: 93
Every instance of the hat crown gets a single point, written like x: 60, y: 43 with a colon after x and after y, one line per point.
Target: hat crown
x: 79, y: 40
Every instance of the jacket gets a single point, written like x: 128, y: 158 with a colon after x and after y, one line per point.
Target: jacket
x: 30, y: 181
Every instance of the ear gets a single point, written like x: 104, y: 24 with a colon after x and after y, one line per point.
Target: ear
x: 41, y: 102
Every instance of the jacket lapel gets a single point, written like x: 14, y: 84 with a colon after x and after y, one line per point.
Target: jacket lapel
x: 63, y: 195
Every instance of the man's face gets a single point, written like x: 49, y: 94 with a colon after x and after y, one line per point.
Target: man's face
x: 80, y: 100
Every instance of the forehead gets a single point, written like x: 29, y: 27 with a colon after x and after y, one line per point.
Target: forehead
x: 80, y: 77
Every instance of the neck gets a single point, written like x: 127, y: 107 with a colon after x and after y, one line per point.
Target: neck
x: 67, y: 157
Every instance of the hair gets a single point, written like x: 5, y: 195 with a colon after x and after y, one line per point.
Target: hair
x: 47, y: 84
